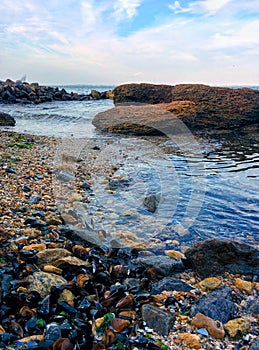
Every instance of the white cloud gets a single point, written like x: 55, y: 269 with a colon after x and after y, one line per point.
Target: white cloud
x: 125, y: 9
x: 205, y: 7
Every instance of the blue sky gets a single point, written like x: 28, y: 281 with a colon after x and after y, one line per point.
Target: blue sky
x: 214, y: 42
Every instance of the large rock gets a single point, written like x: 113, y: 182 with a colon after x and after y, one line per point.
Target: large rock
x: 139, y: 120
x: 214, y: 257
x: 6, y: 120
x: 198, y: 106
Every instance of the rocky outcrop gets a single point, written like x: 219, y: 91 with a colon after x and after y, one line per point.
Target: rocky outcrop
x: 198, y: 106
x: 6, y: 120
x: 23, y: 92
x: 214, y: 257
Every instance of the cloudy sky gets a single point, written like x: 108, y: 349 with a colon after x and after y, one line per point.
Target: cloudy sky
x: 118, y: 41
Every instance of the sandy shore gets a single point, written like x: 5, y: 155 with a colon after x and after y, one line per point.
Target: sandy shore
x: 26, y: 192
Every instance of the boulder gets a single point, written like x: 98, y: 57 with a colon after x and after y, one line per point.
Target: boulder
x: 6, y: 120
x: 139, y: 120
x: 213, y: 257
x: 198, y: 106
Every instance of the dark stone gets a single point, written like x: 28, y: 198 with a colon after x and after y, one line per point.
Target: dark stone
x: 6, y: 120
x: 163, y: 265
x: 216, y: 305
x: 214, y: 257
x: 34, y: 199
x: 170, y: 284
x: 151, y: 202
x: 160, y: 320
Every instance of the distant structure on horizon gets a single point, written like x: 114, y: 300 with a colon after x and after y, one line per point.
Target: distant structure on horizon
x: 23, y: 78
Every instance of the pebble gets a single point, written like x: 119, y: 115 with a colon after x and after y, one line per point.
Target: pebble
x: 237, y: 326
x: 215, y: 328
x: 244, y: 286
x: 191, y: 340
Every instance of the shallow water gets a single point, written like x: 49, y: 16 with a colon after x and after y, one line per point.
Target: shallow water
x: 210, y: 190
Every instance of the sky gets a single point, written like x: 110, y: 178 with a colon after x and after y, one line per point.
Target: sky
x: 112, y: 42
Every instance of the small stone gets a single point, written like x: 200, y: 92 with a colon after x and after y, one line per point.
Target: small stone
x: 67, y: 296
x: 119, y: 324
x: 36, y: 246
x: 244, y: 286
x: 209, y: 284
x: 215, y: 328
x: 69, y: 261
x: 170, y: 284
x: 191, y: 340
x: 52, y: 269
x: 43, y: 281
x: 174, y: 254
x: 48, y: 256
x: 237, y: 327
x: 160, y: 320
x: 34, y: 199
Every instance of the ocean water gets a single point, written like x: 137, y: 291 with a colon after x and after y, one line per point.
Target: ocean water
x: 59, y: 118
x: 209, y: 193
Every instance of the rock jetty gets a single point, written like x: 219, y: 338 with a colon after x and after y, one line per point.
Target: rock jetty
x: 200, y: 107
x: 23, y: 92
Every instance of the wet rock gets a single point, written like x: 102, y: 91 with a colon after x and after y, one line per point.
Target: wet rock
x: 42, y: 282
x: 244, y: 286
x: 237, y: 327
x: 170, y: 284
x: 174, y: 254
x: 151, y: 202
x: 48, y: 256
x: 215, y: 328
x: 160, y: 320
x: 214, y: 257
x: 53, y: 331
x: 216, y: 305
x: 191, y: 340
x: 162, y: 265
x: 6, y: 120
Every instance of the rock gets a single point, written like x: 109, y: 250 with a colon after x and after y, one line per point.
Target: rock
x: 255, y: 345
x: 35, y: 246
x: 237, y: 327
x: 198, y: 106
x: 244, y: 286
x: 95, y: 94
x: 6, y: 120
x: 142, y: 93
x: 214, y: 257
x: 215, y: 328
x: 162, y: 265
x: 216, y: 305
x: 170, y: 284
x: 52, y: 269
x: 160, y: 320
x: 34, y: 199
x: 42, y: 282
x: 69, y: 261
x: 174, y: 254
x: 138, y: 120
x: 119, y: 324
x: 23, y: 92
x: 209, y: 284
x: 151, y: 202
x: 252, y: 306
x: 48, y: 256
x: 191, y: 340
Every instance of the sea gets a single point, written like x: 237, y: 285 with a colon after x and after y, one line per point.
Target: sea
x: 206, y: 191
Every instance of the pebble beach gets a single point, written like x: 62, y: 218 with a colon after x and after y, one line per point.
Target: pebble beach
x: 61, y: 291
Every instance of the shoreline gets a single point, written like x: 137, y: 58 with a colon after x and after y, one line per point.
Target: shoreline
x: 32, y: 230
